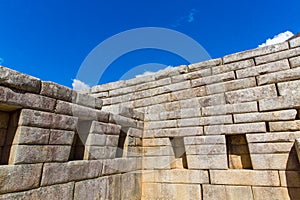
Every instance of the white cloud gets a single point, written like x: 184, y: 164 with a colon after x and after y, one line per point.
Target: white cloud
x: 79, y: 85
x: 277, y: 38
x: 191, y: 15
x: 146, y: 73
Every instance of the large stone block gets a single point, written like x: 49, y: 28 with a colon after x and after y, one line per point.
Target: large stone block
x: 171, y: 191
x: 213, y: 79
x: 216, y: 192
x: 211, y: 149
x: 233, y: 66
x: 207, y: 161
x: 235, y: 128
x: 122, y: 121
x: 162, y: 162
x: 37, y: 154
x: 57, y: 91
x: 99, y: 152
x: 256, y: 52
x: 245, y: 177
x: 16, y: 100
x: 265, y: 116
x: 131, y: 187
x: 31, y: 135
x: 174, y: 132
x: 212, y: 100
x: 62, y: 191
x: 275, y: 193
x: 92, y: 189
x: 285, y: 126
x: 88, y: 100
x: 12, y: 78
x: 19, y: 177
x: 251, y: 94
x: 54, y: 173
x: 270, y: 148
x: 230, y: 109
x: 103, y: 128
x: 291, y: 88
x: 191, y: 75
x: 277, y: 56
x: 281, y: 76
x: 61, y: 137
x: 295, y: 62
x: 263, y: 69
x: 161, y: 124
x: 278, y: 103
x: 156, y: 142
x: 205, y: 64
x: 271, y: 137
x: 230, y: 85
x: 199, y: 140
x: 47, y: 120
x: 280, y: 161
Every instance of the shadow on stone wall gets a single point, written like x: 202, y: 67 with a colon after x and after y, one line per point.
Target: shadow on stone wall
x: 292, y: 173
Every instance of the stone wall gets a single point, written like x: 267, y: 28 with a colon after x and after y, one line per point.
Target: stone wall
x: 227, y: 128
x: 223, y: 128
x: 58, y: 144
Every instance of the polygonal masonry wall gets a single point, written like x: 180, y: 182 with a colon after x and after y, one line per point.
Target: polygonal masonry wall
x: 225, y: 128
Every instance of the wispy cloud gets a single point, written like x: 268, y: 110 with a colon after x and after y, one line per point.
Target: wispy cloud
x: 79, y: 85
x: 1, y: 61
x: 146, y: 73
x: 187, y: 18
x: 281, y: 37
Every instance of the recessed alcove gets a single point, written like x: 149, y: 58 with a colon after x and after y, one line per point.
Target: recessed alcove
x: 238, y: 152
x: 9, y: 117
x: 179, y: 152
x: 80, y: 137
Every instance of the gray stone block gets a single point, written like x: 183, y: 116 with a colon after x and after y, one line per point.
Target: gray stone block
x: 57, y: 91
x: 14, y: 79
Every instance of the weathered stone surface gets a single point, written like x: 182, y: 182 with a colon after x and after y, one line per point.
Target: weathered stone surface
x: 205, y: 64
x: 178, y: 176
x: 162, y: 162
x: 81, y: 112
x: 61, y: 137
x: 265, y: 116
x: 27, y: 100
x: 171, y: 191
x: 277, y: 56
x: 251, y: 94
x: 92, y: 189
x: 62, y: 191
x: 131, y: 187
x: 57, y: 91
x: 191, y: 75
x: 14, y: 79
x: 291, y: 88
x: 88, y: 100
x: 212, y: 149
x: 161, y: 124
x: 156, y: 142
x: 174, y: 132
x: 272, y: 193
x: 212, y: 100
x: 71, y: 171
x: 31, y: 135
x: 295, y: 62
x: 21, y: 154
x: 47, y: 120
x: 230, y: 108
x: 271, y: 137
x: 270, y: 148
x: 295, y: 42
x: 103, y: 128
x: 213, y: 79
x: 245, y: 177
x: 280, y: 161
x: 215, y: 192
x: 100, y: 152
x: 230, y: 86
x: 19, y: 177
x: 235, y: 128
x: 122, y: 121
x: 158, y: 151
x: 256, y: 52
x: 281, y: 102
x: 233, y: 66
x: 285, y: 126
x: 207, y: 161
x: 263, y: 69
x: 211, y: 139
x: 281, y: 76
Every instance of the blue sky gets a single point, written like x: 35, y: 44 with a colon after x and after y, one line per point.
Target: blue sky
x: 51, y: 39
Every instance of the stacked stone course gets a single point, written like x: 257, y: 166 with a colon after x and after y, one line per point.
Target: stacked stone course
x: 227, y: 128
